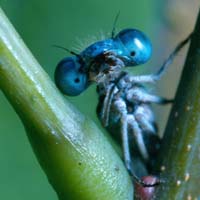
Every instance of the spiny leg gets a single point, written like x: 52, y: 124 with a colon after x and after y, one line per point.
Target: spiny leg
x: 121, y: 107
x: 107, y: 104
x: 125, y: 144
x: 126, y: 152
x: 140, y: 95
x: 145, y: 124
x: 171, y: 57
x: 138, y: 137
x: 145, y: 119
x: 110, y: 92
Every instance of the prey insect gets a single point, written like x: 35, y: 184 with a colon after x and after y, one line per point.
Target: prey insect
x: 124, y: 106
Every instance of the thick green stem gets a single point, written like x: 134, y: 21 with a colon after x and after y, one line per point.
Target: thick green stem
x: 78, y: 160
x: 180, y: 153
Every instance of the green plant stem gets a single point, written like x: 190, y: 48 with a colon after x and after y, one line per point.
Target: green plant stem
x: 180, y: 153
x: 77, y: 158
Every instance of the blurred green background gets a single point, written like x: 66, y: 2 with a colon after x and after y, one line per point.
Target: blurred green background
x: 72, y: 24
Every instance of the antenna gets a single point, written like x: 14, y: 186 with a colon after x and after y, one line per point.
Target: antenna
x: 114, y: 25
x: 63, y: 48
x: 81, y: 60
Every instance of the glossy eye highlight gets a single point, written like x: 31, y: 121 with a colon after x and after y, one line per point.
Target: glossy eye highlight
x: 69, y: 78
x: 133, y: 46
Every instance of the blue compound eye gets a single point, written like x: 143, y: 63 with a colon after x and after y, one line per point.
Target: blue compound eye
x: 69, y: 78
x: 134, y: 47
